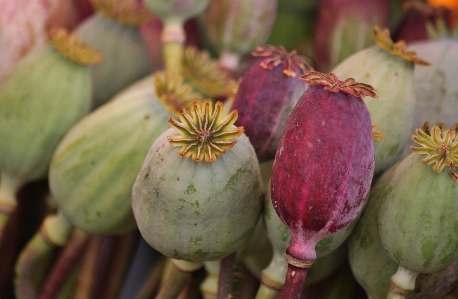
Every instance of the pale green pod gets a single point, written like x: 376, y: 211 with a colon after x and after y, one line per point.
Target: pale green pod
x: 96, y: 164
x: 370, y: 265
x: 237, y: 27
x: 392, y: 75
x: 437, y: 91
x: 418, y: 220
x: 197, y: 211
x: 373, y: 268
x: 126, y: 57
x: 40, y: 100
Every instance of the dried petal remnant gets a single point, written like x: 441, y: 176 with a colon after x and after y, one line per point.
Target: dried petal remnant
x: 333, y: 84
x: 440, y: 148
x: 278, y: 55
x: 204, y: 73
x: 378, y: 135
x: 71, y: 47
x: 204, y: 134
x: 384, y: 41
x: 173, y: 92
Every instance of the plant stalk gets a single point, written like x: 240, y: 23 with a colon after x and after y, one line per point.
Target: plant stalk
x: 64, y: 265
x: 34, y: 259
x: 226, y: 276
x: 177, y: 279
x: 153, y: 280
x: 86, y: 276
x: 173, y: 39
x: 294, y: 283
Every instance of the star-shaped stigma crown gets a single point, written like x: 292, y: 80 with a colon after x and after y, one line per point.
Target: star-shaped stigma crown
x: 384, y: 41
x: 71, y: 47
x: 204, y: 133
x: 289, y: 61
x: 333, y: 84
x: 440, y: 148
x: 128, y: 12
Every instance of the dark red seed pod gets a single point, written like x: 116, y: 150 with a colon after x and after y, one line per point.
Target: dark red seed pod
x: 267, y: 94
x: 323, y: 168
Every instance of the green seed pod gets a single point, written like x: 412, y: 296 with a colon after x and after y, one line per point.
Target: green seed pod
x: 437, y: 91
x: 419, y: 238
x: 236, y: 27
x: 95, y: 166
x: 372, y: 267
x: 114, y: 31
x: 40, y: 100
x: 389, y: 69
x: 199, y: 211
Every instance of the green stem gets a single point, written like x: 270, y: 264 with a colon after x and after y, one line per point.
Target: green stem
x: 209, y: 287
x: 273, y: 276
x: 402, y: 283
x: 177, y: 279
x: 173, y: 39
x: 64, y: 265
x: 264, y: 292
x: 392, y: 295
x: 9, y: 187
x: 34, y: 259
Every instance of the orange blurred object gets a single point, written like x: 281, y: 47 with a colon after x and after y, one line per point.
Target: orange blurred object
x: 450, y: 4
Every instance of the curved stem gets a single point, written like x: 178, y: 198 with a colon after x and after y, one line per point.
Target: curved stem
x: 34, y: 259
x: 294, y: 283
x: 177, y: 279
x: 64, y: 265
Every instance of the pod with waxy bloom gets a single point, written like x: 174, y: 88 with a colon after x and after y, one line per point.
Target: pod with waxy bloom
x: 266, y: 95
x: 389, y: 68
x: 418, y: 238
x: 191, y: 210
x: 323, y: 168
x: 40, y: 100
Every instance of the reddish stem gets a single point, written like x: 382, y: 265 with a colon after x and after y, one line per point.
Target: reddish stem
x: 294, y: 283
x: 64, y: 265
x: 249, y: 285
x: 226, y: 276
